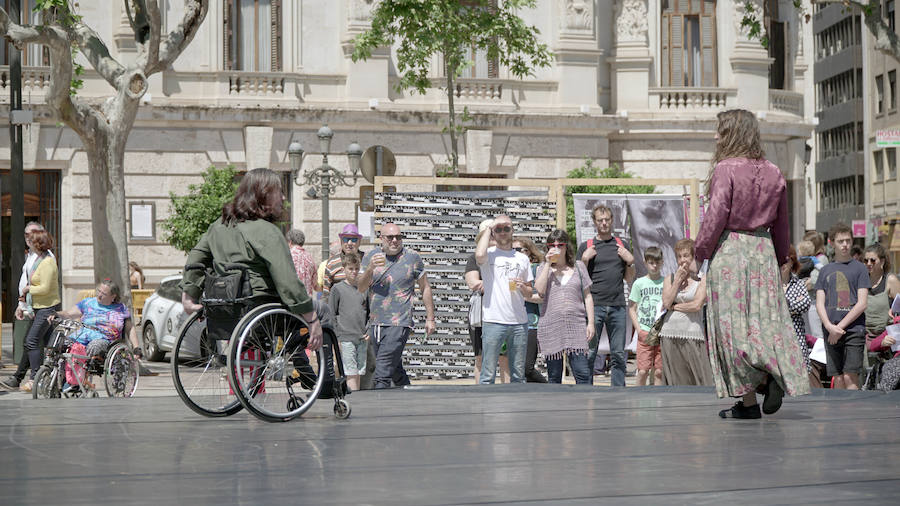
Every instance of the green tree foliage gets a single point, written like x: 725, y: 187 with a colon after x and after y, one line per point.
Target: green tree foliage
x: 425, y: 29
x: 588, y: 171
x: 192, y: 214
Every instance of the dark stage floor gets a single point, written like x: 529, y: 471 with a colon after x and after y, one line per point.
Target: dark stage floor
x: 458, y: 445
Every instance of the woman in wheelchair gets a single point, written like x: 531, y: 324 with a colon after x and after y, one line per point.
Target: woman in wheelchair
x: 105, y: 320
x: 247, y: 236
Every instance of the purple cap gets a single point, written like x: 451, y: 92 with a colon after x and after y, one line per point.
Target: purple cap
x: 350, y: 230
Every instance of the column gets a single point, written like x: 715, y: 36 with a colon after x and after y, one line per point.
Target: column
x: 749, y: 61
x: 631, y: 61
x: 577, y: 55
x: 366, y: 79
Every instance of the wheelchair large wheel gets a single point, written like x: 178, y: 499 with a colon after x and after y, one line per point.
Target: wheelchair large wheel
x: 121, y: 371
x: 198, y: 371
x: 46, y: 383
x: 273, y: 376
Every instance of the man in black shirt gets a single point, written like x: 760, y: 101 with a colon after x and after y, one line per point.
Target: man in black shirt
x: 610, y: 263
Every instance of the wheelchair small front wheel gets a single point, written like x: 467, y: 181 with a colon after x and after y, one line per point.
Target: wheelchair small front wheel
x: 342, y: 409
x: 46, y: 385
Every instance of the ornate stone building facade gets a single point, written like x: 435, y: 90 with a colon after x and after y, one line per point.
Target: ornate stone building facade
x: 633, y: 82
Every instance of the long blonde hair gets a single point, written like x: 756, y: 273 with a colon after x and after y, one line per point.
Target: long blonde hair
x: 738, y: 138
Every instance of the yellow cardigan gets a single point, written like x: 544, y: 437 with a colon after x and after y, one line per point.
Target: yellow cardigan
x: 45, y: 284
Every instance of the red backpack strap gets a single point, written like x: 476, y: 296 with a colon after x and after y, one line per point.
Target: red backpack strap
x: 619, y: 241
x: 590, y: 243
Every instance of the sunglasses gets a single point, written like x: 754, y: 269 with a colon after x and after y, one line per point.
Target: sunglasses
x: 397, y: 237
x: 556, y: 244
x: 503, y: 229
x: 349, y: 239
x: 870, y: 260
x: 519, y: 249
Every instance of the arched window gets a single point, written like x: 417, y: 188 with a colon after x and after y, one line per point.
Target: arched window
x: 688, y: 39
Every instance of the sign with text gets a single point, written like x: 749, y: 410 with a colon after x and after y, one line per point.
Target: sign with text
x: 367, y: 196
x: 887, y: 138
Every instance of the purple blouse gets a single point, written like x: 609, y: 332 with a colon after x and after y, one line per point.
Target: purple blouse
x: 745, y: 195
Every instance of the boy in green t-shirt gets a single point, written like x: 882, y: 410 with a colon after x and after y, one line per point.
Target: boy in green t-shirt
x: 646, y: 294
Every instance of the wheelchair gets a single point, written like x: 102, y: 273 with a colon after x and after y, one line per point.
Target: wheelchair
x: 117, y: 366
x: 249, y: 352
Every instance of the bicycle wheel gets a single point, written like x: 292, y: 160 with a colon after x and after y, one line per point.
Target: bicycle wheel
x: 46, y: 383
x: 198, y: 371
x: 121, y: 371
x: 273, y: 376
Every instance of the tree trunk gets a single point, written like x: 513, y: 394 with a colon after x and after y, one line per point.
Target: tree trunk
x: 454, y: 147
x: 106, y: 156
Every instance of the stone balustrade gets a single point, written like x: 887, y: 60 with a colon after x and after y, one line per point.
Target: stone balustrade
x: 787, y: 101
x: 256, y: 84
x: 34, y: 80
x: 691, y: 99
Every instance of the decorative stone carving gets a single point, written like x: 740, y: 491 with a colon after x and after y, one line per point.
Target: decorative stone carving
x: 740, y: 10
x: 631, y: 21
x: 578, y: 15
x: 361, y: 10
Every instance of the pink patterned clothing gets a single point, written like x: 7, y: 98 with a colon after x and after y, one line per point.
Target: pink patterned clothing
x: 305, y: 266
x: 745, y: 195
x: 562, y: 327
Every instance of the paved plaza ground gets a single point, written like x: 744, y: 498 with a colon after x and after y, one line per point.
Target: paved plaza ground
x: 455, y: 444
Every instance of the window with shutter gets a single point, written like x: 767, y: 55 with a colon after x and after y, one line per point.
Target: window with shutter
x: 253, y: 35
x: 688, y: 44
x: 34, y: 55
x: 482, y: 67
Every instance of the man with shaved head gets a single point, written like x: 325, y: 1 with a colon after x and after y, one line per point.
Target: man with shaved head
x: 389, y: 275
x: 507, y: 277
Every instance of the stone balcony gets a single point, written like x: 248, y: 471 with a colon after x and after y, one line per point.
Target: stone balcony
x: 691, y: 99
x: 282, y: 90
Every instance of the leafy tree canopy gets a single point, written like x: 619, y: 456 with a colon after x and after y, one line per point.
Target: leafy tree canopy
x: 192, y: 214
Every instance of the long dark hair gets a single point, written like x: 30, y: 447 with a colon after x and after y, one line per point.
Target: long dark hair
x: 254, y: 198
x: 561, y: 236
x: 879, y: 251
x: 739, y: 137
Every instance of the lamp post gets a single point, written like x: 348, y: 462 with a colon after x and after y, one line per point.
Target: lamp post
x: 324, y: 180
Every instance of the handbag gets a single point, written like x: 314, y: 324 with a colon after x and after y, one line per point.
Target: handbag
x: 653, y: 337
x: 475, y: 309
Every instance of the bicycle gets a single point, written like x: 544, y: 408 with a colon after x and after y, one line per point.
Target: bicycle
x: 264, y: 367
x: 117, y: 365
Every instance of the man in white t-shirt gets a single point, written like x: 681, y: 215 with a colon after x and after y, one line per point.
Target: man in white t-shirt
x: 507, y: 279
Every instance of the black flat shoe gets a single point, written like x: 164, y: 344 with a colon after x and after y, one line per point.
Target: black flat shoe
x: 773, y: 396
x: 741, y: 411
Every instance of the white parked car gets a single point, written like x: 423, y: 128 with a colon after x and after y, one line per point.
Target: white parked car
x: 162, y: 318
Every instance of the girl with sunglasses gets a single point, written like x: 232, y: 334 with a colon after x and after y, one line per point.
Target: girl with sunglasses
x: 878, y: 304
x: 566, y: 325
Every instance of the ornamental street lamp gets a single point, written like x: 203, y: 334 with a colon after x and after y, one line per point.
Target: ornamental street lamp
x: 324, y: 180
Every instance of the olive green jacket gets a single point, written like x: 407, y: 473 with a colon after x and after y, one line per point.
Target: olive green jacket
x: 260, y: 246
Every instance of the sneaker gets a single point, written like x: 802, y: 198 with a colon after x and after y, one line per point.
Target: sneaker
x: 10, y: 384
x: 70, y: 389
x: 741, y: 411
x: 27, y: 386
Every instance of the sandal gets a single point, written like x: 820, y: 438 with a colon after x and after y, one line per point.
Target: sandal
x: 773, y: 396
x: 741, y: 411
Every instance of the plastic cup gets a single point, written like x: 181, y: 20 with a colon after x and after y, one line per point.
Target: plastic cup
x: 512, y: 285
x: 379, y: 260
x: 555, y: 254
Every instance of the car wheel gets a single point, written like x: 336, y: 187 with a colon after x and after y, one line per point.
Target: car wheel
x: 151, y: 348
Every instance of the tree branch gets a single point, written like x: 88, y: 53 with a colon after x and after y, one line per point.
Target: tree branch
x: 178, y: 39
x: 152, y: 48
x: 80, y: 117
x: 94, y: 49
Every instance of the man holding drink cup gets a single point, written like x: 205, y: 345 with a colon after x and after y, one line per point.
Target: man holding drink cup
x: 390, y: 274
x: 507, y: 278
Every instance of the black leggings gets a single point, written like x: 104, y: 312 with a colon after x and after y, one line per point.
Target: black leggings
x: 37, y: 336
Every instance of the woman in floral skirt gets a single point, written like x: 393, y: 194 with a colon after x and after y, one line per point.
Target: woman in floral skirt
x: 745, y: 236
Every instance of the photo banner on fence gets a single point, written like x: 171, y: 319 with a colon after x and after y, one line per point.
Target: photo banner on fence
x: 641, y: 221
